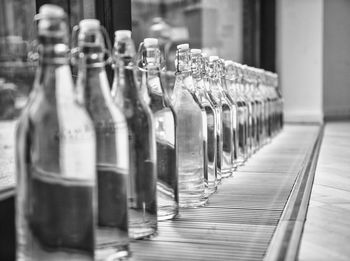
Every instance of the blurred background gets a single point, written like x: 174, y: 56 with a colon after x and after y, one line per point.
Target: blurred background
x: 306, y: 41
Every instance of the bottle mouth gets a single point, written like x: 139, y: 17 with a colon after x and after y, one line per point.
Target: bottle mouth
x: 89, y: 24
x: 196, y: 51
x: 150, y: 42
x: 50, y: 11
x: 183, y: 47
x: 122, y: 34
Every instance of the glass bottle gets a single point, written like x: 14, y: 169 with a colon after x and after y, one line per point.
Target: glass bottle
x: 272, y: 104
x: 198, y: 72
x: 251, y: 105
x: 194, y: 92
x: 233, y: 80
x: 280, y: 117
x: 272, y: 117
x: 226, y: 117
x: 259, y: 107
x: 250, y: 92
x: 209, y: 85
x: 55, y: 157
x: 112, y: 150
x: 165, y: 122
x: 265, y: 105
x: 233, y: 107
x: 189, y: 134
x: 142, y: 141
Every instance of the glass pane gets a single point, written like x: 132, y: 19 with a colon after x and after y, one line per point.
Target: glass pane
x: 212, y: 25
x: 16, y: 71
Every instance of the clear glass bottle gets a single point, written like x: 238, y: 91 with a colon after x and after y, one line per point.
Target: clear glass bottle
x: 194, y: 93
x: 233, y: 106
x: 233, y: 80
x: 251, y: 94
x: 189, y: 134
x: 165, y: 122
x: 280, y: 116
x: 209, y: 83
x: 245, y: 88
x: 273, y: 105
x: 198, y: 72
x: 142, y: 140
x: 112, y: 148
x: 272, y: 97
x: 227, y: 165
x: 55, y: 157
x: 259, y: 108
x: 265, y: 105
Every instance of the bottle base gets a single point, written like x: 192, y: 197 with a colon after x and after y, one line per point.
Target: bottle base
x: 142, y: 224
x: 112, y: 253
x: 240, y: 162
x: 193, y: 203
x: 167, y: 213
x: 226, y: 173
x: 34, y: 251
x: 210, y: 190
x: 142, y: 232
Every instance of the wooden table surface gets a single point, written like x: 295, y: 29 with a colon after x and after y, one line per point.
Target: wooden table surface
x: 239, y: 220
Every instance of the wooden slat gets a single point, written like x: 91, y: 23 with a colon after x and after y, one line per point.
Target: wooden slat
x: 240, y: 219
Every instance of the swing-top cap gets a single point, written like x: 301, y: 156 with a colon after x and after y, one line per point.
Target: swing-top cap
x: 229, y: 63
x: 52, y: 11
x: 149, y: 42
x: 89, y: 24
x: 196, y: 51
x: 184, y: 46
x: 122, y: 34
x: 213, y: 58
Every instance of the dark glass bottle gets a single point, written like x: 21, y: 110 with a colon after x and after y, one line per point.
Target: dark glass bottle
x: 165, y: 122
x: 55, y: 157
x: 112, y: 148
x: 198, y: 72
x: 142, y: 141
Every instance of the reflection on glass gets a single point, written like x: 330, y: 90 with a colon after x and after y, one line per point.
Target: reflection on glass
x: 212, y: 25
x: 16, y: 72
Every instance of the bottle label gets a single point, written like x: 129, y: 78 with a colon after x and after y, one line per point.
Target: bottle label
x: 77, y: 140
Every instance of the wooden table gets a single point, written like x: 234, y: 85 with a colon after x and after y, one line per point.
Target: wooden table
x: 241, y: 218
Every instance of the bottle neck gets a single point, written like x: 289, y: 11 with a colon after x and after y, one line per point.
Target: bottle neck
x: 53, y: 68
x: 53, y: 53
x: 183, y: 65
x: 125, y: 85
x: 93, y: 86
x: 91, y: 56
